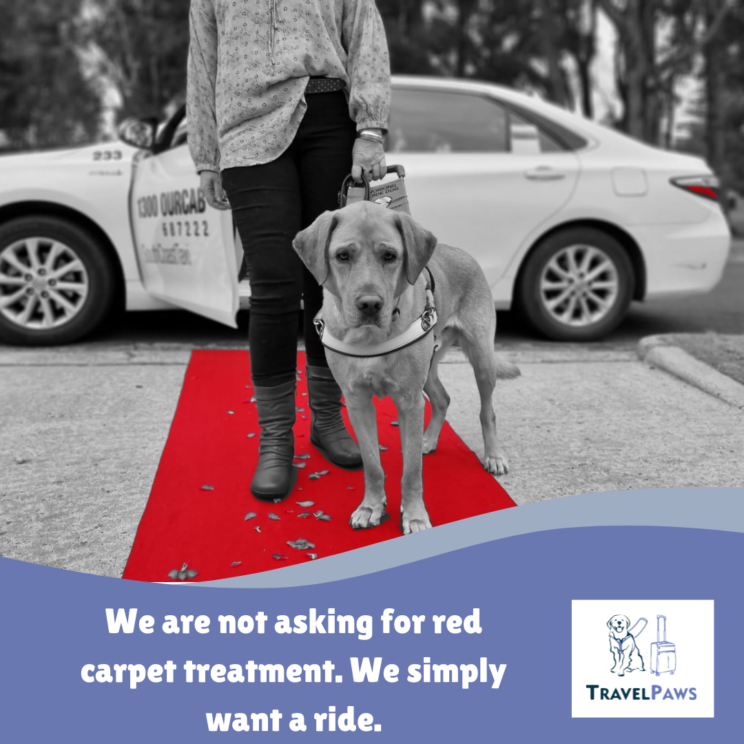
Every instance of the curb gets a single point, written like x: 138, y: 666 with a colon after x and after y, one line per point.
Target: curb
x: 661, y: 352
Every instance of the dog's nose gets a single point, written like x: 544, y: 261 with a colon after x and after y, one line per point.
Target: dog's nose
x: 369, y: 304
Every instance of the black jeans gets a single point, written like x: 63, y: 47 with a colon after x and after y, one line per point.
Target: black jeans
x: 271, y: 203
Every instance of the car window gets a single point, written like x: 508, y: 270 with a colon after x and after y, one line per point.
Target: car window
x: 527, y: 138
x: 173, y: 132
x: 181, y: 135
x: 444, y: 121
x: 440, y: 121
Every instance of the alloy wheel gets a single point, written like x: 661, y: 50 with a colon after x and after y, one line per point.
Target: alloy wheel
x: 43, y: 283
x: 579, y: 285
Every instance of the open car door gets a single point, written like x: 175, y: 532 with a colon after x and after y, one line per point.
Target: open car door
x: 186, y: 249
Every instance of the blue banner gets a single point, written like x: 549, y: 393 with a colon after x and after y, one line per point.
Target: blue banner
x: 553, y: 634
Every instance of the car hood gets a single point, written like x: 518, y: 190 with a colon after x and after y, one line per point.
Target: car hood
x: 104, y: 154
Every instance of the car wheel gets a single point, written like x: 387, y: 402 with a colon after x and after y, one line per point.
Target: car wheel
x: 576, y: 285
x: 57, y: 283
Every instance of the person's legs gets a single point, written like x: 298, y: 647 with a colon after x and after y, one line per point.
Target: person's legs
x: 266, y: 207
x: 324, y: 160
x: 265, y: 202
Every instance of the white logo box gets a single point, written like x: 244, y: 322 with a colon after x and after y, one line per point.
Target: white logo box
x: 687, y: 693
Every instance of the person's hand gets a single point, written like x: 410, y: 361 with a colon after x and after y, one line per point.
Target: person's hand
x: 368, y: 157
x: 211, y: 186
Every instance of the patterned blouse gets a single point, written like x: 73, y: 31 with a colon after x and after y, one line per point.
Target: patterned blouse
x: 249, y: 63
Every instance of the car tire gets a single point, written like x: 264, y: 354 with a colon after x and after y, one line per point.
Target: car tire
x: 63, y: 271
x: 576, y: 285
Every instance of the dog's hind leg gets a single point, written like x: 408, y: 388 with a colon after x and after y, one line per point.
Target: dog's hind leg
x: 436, y: 393
x: 479, y: 350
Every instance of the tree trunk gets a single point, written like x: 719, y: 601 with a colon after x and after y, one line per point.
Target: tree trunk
x: 585, y: 84
x: 464, y: 11
x: 714, y: 136
x: 636, y: 31
x: 587, y: 29
x: 549, y: 32
x: 652, y: 92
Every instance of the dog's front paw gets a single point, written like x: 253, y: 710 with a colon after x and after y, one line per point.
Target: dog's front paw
x: 415, y: 521
x: 496, y: 465
x: 430, y: 445
x: 365, y: 517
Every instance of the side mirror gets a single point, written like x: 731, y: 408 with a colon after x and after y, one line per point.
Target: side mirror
x: 140, y: 133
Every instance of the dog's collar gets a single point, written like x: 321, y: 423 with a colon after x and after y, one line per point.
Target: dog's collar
x: 415, y: 332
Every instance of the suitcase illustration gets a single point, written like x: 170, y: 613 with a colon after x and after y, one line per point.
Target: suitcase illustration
x: 663, y: 653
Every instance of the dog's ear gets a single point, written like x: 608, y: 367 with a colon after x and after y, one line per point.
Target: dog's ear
x: 418, y: 245
x: 312, y: 244
x: 609, y: 623
x: 627, y: 621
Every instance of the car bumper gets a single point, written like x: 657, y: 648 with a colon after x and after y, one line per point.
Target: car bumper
x: 683, y: 259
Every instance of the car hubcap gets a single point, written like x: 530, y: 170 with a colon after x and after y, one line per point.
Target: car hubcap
x: 43, y: 283
x: 579, y: 285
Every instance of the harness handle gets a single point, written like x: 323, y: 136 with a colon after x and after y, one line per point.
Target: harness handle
x: 347, y: 182
x: 399, y: 171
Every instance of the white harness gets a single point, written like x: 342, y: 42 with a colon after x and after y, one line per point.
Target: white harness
x: 421, y: 327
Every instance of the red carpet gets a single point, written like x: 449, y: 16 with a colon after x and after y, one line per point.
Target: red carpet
x: 208, y: 445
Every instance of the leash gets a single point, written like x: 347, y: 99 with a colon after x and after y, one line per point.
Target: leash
x: 639, y: 626
x: 420, y: 328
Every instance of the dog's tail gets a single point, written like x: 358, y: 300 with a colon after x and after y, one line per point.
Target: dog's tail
x: 506, y: 371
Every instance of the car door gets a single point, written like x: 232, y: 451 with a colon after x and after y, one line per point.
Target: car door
x: 185, y: 248
x: 479, y: 175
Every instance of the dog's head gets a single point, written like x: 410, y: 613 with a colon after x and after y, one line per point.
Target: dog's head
x: 365, y: 256
x: 619, y: 624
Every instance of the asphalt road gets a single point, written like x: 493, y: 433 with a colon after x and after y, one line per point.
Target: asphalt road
x: 721, y: 310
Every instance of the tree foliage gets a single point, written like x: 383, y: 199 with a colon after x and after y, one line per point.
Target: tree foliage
x: 63, y: 63
x: 139, y: 47
x: 46, y: 99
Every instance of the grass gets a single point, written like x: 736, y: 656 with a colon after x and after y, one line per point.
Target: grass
x: 722, y: 352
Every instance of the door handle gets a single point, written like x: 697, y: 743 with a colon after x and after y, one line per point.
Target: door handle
x: 544, y: 173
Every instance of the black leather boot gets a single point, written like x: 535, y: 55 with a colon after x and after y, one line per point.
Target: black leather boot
x: 275, y: 477
x: 327, y: 429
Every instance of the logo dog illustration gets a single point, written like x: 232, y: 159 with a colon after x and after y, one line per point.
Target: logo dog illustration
x: 623, y: 646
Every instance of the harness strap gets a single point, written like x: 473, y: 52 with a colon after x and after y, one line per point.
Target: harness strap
x: 421, y: 327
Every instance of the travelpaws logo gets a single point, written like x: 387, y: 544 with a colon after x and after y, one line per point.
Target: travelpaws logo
x: 642, y: 659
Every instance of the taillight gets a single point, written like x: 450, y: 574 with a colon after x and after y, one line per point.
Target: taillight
x: 705, y: 186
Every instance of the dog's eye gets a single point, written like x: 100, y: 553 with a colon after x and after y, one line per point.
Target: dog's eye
x: 389, y: 256
x: 342, y: 256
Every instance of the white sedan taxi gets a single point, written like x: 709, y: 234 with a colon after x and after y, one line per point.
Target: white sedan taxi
x: 570, y: 221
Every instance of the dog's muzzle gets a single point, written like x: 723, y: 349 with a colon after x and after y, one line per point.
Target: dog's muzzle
x: 421, y: 327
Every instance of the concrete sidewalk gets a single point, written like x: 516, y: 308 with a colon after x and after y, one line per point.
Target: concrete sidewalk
x: 83, y: 428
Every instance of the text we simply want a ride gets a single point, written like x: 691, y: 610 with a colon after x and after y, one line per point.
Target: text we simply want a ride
x: 465, y: 674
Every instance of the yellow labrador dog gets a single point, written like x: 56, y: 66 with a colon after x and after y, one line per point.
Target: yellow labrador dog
x: 371, y: 262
